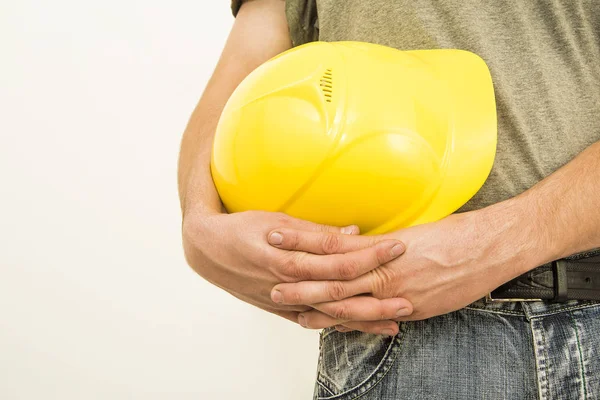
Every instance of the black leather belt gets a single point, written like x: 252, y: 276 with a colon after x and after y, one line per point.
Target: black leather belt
x: 576, y: 277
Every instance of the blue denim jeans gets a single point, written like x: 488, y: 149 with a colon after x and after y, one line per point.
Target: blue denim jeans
x: 512, y: 351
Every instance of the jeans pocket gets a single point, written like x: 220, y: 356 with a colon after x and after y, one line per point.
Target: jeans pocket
x: 352, y: 363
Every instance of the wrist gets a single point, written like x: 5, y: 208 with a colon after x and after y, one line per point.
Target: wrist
x: 512, y: 235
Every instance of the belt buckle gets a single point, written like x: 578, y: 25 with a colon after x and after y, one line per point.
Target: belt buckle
x: 490, y: 299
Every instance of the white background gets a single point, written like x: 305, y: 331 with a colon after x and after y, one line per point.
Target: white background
x: 96, y: 300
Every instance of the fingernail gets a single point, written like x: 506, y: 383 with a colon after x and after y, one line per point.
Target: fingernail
x: 276, y: 296
x: 341, y: 328
x: 302, y: 320
x: 347, y: 230
x: 275, y: 238
x: 397, y: 250
x: 387, y: 332
x: 403, y: 312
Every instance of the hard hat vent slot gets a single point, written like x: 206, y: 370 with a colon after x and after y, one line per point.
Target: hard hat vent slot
x: 326, y: 84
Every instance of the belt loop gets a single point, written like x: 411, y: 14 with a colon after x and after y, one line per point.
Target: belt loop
x: 559, y: 268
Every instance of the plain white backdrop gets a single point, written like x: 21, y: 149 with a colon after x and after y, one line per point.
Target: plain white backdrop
x: 96, y: 300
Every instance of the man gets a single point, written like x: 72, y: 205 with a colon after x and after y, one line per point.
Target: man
x: 540, y: 203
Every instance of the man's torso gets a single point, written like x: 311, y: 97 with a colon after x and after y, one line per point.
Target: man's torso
x: 544, y: 57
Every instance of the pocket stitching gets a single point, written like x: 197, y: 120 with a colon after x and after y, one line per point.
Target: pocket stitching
x: 324, y: 387
x: 374, y: 377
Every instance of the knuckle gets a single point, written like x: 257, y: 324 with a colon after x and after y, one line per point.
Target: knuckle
x: 289, y: 267
x: 279, y: 271
x: 296, y: 271
x: 331, y: 243
x: 293, y: 267
x: 380, y: 311
x: 323, y: 228
x: 373, y: 240
x: 341, y: 312
x: 382, y: 254
x: 285, y: 265
x: 384, y: 279
x: 348, y: 269
x: 282, y: 218
x: 294, y: 298
x: 294, y: 240
x: 336, y: 290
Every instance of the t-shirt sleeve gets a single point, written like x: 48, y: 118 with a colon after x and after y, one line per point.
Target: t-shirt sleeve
x: 235, y: 6
x: 302, y: 19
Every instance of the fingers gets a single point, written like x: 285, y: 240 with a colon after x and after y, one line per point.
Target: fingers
x: 350, y: 230
x: 303, y: 266
x: 319, y: 242
x: 313, y: 292
x: 318, y: 320
x: 389, y: 328
x: 363, y: 308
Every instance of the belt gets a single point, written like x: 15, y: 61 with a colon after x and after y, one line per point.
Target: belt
x: 576, y: 277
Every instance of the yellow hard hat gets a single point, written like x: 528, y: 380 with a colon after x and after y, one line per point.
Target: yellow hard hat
x: 355, y: 133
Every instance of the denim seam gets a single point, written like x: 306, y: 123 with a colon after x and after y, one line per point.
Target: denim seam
x: 389, y: 358
x: 325, y: 333
x: 325, y: 387
x: 542, y: 376
x: 324, y: 381
x: 503, y: 312
x: 327, y: 381
x: 504, y: 380
x: 322, y: 378
x: 547, y: 358
x: 582, y: 367
x: 561, y: 310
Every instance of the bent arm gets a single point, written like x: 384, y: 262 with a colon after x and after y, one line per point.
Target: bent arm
x: 562, y: 211
x: 259, y: 33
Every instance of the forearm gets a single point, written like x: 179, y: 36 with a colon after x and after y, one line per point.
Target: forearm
x: 194, y: 179
x: 259, y: 33
x: 560, y: 215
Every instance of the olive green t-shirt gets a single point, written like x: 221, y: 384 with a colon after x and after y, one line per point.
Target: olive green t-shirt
x: 543, y: 55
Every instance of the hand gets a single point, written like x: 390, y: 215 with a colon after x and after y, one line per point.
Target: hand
x: 446, y: 266
x: 231, y: 251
